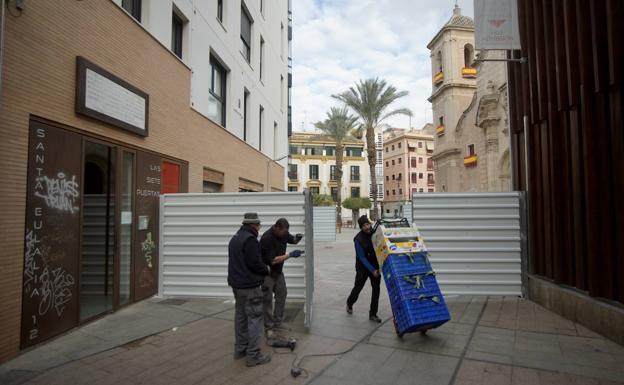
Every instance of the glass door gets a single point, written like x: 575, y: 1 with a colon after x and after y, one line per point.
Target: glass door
x: 97, y: 263
x: 126, y: 227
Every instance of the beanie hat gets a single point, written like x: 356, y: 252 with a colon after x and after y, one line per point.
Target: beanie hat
x: 362, y: 220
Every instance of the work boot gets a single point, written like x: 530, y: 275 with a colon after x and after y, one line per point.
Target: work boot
x: 239, y: 355
x: 374, y: 318
x: 260, y: 359
x: 349, y: 309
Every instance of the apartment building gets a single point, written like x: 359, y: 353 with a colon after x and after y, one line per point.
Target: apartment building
x: 105, y: 105
x: 313, y: 162
x: 408, y: 167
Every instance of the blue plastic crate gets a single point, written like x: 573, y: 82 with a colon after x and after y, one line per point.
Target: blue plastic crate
x: 406, y: 263
x: 413, y: 315
x: 399, y: 287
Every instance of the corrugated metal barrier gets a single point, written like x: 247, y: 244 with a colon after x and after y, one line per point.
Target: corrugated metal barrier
x: 196, y: 230
x: 474, y: 240
x: 324, y: 223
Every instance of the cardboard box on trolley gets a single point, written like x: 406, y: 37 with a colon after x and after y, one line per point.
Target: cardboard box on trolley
x: 415, y: 297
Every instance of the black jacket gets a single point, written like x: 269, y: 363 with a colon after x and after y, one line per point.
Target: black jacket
x: 245, y: 267
x: 272, y: 246
x: 365, y: 257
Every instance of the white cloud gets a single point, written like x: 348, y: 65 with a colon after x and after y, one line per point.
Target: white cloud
x: 338, y: 42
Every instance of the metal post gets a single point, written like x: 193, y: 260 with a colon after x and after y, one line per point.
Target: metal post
x: 309, y: 258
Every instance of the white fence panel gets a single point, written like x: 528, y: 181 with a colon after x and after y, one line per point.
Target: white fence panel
x: 474, y: 240
x: 324, y: 223
x: 196, y: 230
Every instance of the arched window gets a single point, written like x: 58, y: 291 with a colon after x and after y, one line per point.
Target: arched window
x: 468, y: 55
x: 439, y: 61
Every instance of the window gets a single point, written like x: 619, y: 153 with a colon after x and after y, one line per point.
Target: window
x: 400, y: 191
x: 292, y: 188
x: 400, y: 176
x: 413, y: 160
x: 314, y: 172
x: 212, y: 187
x: 220, y: 10
x: 282, y: 40
x: 393, y: 192
x: 334, y: 194
x: 420, y: 160
x: 386, y: 149
x: 245, y: 34
x: 355, y: 192
x: 468, y: 55
x: 387, y: 192
x: 420, y: 175
x: 392, y: 176
x: 314, y: 190
x: 387, y: 164
x: 429, y: 164
x: 421, y: 190
x: 353, y: 151
x: 216, y: 94
x: 430, y: 190
x: 314, y: 150
x: 387, y: 178
x: 393, y: 147
x: 282, y: 90
x: 332, y: 172
x: 292, y: 172
x: 441, y: 120
x: 330, y: 151
x: 399, y: 160
x: 414, y: 190
x: 133, y: 7
x: 471, y: 150
x: 294, y: 150
x: 245, y: 114
x: 260, y: 124
x: 177, y: 27
x: 439, y: 61
x: 430, y: 179
x: 261, y: 69
x: 414, y: 177
x: 399, y: 145
x: 393, y: 162
x: 419, y: 144
x: 355, y: 174
x: 262, y: 7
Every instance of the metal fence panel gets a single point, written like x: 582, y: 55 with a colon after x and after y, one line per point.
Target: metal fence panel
x: 474, y: 240
x: 324, y: 223
x: 196, y: 230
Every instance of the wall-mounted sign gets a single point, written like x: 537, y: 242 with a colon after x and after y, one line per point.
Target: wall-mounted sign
x: 496, y: 24
x: 103, y: 96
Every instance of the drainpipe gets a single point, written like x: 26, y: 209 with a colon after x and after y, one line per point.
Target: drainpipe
x: 2, y: 43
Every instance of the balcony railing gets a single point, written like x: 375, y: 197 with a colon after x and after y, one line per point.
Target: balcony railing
x: 438, y: 78
x: 470, y: 160
x: 469, y: 72
x: 440, y: 130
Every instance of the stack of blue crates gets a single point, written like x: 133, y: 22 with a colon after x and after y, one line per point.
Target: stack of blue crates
x: 415, y: 296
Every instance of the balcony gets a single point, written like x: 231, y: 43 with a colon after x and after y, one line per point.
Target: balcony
x: 438, y: 78
x: 430, y: 182
x: 292, y: 176
x: 470, y: 160
x: 469, y: 72
x: 440, y: 131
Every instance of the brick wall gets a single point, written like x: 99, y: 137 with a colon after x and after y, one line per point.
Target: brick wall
x: 38, y: 79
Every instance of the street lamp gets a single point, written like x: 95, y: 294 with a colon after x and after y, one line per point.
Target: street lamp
x: 268, y: 180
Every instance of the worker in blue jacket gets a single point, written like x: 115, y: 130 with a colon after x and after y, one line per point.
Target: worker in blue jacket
x: 366, y: 267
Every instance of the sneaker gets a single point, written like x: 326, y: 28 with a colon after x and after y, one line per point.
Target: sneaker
x: 261, y: 359
x: 349, y: 309
x: 239, y: 355
x: 375, y: 318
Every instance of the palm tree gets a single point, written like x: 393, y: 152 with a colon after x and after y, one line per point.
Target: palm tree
x: 370, y: 100
x: 338, y: 125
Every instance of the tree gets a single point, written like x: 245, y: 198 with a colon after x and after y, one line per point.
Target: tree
x: 355, y: 205
x: 338, y: 125
x: 370, y: 99
x: 322, y: 200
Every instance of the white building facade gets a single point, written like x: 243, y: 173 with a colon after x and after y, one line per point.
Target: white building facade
x: 312, y: 166
x: 239, y: 52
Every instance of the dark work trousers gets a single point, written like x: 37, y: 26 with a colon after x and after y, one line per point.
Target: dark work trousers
x: 361, y: 274
x: 248, y: 321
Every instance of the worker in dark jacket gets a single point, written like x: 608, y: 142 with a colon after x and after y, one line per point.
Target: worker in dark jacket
x: 273, y: 247
x: 246, y: 273
x: 366, y: 267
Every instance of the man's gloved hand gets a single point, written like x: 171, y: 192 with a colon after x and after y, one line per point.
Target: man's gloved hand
x: 295, y: 253
x: 298, y: 237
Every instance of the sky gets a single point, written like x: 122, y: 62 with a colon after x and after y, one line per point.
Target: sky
x: 337, y: 42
